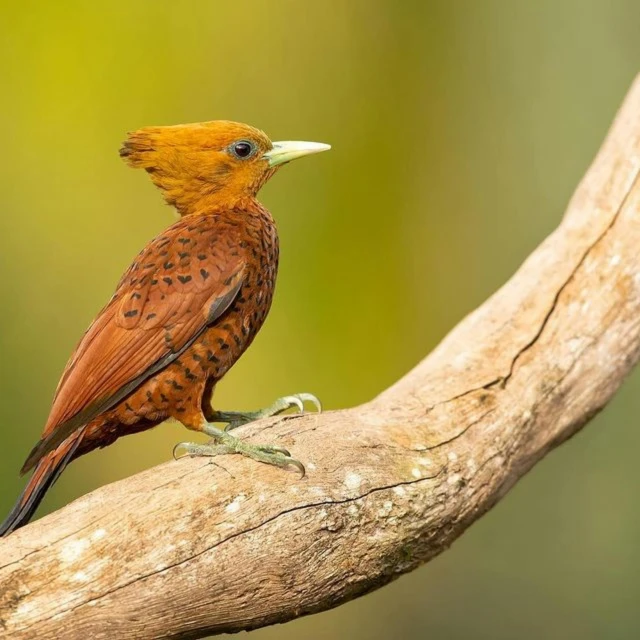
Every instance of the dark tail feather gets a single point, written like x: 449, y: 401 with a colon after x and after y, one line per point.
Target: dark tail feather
x: 47, y: 471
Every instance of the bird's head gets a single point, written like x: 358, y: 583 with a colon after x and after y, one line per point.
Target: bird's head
x: 210, y: 164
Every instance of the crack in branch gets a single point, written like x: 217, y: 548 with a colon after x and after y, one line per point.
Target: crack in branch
x: 303, y: 507
x: 554, y: 304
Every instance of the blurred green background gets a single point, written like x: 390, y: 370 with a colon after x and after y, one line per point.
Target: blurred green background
x: 459, y: 131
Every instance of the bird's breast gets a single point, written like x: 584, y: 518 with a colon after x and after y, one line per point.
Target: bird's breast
x: 222, y: 344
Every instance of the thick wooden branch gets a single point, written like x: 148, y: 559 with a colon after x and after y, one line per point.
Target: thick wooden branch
x: 191, y: 548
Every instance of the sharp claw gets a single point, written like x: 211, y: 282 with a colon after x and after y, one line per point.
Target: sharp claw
x: 298, y: 465
x: 180, y: 444
x: 309, y: 397
x: 294, y: 401
x: 271, y: 448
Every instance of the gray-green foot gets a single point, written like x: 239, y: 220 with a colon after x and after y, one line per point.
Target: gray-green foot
x: 235, y: 419
x: 223, y: 442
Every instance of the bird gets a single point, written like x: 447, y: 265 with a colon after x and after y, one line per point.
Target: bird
x: 184, y: 311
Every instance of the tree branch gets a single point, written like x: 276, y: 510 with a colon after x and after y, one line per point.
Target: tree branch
x: 190, y: 547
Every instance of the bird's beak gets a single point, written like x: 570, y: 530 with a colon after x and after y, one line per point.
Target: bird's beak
x: 291, y: 149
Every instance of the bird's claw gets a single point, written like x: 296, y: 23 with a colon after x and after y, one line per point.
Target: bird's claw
x: 298, y: 400
x: 194, y: 449
x: 224, y: 443
x: 293, y: 401
x: 269, y: 454
x: 175, y: 450
x: 234, y: 419
x: 275, y: 449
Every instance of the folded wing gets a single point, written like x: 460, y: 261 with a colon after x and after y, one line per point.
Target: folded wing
x: 177, y: 287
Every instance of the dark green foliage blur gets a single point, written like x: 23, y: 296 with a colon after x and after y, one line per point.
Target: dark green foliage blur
x: 459, y: 130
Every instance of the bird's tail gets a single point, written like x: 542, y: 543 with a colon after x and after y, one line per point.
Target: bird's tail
x: 47, y: 471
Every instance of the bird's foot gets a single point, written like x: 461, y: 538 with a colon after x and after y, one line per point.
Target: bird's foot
x: 235, y: 419
x: 223, y: 442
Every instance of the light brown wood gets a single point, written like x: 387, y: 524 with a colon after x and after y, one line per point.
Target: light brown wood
x: 191, y: 547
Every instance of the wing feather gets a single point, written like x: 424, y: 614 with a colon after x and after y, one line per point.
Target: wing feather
x: 162, y: 304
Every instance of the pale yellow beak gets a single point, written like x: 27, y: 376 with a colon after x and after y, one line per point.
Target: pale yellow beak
x: 289, y: 150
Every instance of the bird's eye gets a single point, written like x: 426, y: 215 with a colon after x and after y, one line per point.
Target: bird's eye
x: 243, y: 149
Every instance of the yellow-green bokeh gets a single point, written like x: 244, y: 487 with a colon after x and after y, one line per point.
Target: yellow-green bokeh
x: 459, y: 131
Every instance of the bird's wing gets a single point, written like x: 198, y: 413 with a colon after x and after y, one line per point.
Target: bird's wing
x: 179, y: 284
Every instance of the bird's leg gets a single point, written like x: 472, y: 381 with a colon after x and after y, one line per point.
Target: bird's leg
x: 223, y: 442
x: 235, y: 419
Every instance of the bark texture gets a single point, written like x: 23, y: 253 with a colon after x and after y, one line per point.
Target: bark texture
x: 191, y: 548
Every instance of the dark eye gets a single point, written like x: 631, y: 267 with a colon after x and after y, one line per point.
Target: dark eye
x: 243, y: 149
